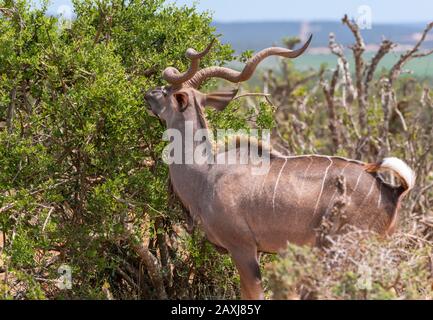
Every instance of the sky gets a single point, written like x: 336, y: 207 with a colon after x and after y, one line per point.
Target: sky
x: 382, y: 11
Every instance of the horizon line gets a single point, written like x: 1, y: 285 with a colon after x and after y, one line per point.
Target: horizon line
x: 312, y: 21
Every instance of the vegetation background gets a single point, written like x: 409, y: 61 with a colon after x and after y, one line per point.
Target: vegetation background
x: 83, y: 187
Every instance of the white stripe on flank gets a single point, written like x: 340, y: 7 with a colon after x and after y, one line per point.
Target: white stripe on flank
x: 357, y: 181
x: 303, y: 180
x: 371, y: 188
x: 276, y: 185
x: 369, y: 192
x: 356, y: 186
x: 366, y: 197
x: 323, y: 184
x: 380, y: 195
x: 264, y: 179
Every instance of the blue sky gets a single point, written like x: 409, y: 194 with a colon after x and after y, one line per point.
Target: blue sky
x: 383, y: 11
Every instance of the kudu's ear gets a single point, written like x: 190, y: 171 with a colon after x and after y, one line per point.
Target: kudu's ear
x: 182, y: 100
x: 220, y: 100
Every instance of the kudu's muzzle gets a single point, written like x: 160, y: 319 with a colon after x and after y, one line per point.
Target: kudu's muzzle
x: 150, y: 98
x: 153, y: 98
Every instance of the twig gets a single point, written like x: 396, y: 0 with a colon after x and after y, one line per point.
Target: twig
x: 128, y: 278
x: 329, y: 91
x: 11, y: 110
x: 423, y: 54
x: 404, y: 58
x: 100, y: 25
x: 252, y: 94
x: 338, y: 51
x: 47, y: 218
x: 31, y: 193
x: 358, y: 49
x: 400, y: 115
x: 385, y: 47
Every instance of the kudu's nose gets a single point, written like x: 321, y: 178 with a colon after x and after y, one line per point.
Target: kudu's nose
x: 148, y: 97
x: 148, y: 94
x: 151, y: 96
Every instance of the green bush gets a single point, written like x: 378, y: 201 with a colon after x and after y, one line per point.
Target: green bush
x: 79, y: 154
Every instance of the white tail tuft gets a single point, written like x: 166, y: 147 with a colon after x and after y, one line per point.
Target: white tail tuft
x: 401, y: 169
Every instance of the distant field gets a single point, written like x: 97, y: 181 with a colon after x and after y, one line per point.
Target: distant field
x: 421, y: 68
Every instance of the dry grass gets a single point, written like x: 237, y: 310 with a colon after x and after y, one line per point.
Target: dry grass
x: 359, y: 265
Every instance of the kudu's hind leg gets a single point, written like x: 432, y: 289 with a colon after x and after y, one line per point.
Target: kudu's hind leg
x: 246, y: 261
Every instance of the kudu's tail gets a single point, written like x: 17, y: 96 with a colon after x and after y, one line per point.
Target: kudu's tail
x: 399, y: 168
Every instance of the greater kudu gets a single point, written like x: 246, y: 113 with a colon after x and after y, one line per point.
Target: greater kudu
x: 245, y: 214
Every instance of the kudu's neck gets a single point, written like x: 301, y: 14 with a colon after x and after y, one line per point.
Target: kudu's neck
x: 189, y: 177
x: 194, y: 131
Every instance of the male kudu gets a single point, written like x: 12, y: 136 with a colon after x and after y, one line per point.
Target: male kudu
x: 245, y: 214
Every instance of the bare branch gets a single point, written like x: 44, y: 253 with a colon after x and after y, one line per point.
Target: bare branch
x: 356, y: 32
x: 149, y: 260
x: 425, y: 98
x: 10, y: 114
x: 388, y: 101
x: 401, y: 117
x: 385, y: 47
x: 423, y: 54
x: 404, y: 58
x: 337, y: 50
x: 358, y: 49
x: 329, y: 91
x: 127, y: 279
x: 7, y: 207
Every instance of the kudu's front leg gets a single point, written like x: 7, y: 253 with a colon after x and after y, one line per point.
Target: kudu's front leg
x: 246, y: 261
